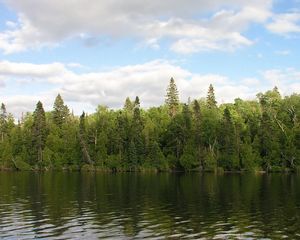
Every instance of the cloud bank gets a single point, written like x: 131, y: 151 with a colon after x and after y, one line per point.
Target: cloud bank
x: 149, y: 81
x: 190, y: 26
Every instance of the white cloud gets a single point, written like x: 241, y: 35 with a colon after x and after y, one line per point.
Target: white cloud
x: 43, y: 23
x: 287, y: 80
x: 251, y: 82
x: 32, y: 70
x: 21, y: 104
x: 285, y: 24
x: 110, y: 87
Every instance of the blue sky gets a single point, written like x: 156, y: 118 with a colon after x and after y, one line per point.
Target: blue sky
x: 99, y: 52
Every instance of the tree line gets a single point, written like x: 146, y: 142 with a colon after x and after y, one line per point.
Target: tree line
x: 261, y: 134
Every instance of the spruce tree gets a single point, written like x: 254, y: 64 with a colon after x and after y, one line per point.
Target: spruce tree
x: 211, y: 99
x: 172, y: 98
x: 137, y: 104
x: 39, y: 131
x: 137, y: 129
x: 3, y: 121
x: 187, y: 121
x: 128, y: 105
x: 197, y: 133
x: 82, y: 124
x: 60, y: 111
x: 82, y: 140
x: 228, y: 158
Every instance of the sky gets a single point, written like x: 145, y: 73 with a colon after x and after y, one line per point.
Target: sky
x: 98, y: 52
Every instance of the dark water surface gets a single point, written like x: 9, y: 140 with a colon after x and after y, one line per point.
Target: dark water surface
x: 156, y: 206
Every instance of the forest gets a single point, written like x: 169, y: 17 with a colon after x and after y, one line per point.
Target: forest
x: 262, y: 134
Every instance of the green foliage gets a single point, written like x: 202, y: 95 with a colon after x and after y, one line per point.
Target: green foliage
x: 3, y: 122
x: 21, y: 165
x: 210, y: 160
x: 211, y: 99
x: 228, y: 143
x: 128, y: 105
x: 188, y: 159
x: 244, y: 135
x: 156, y: 157
x: 39, y: 133
x: 60, y: 111
x: 172, y: 98
x: 114, y: 162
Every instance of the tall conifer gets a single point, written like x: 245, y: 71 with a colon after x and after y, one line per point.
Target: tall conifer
x: 172, y: 98
x: 39, y: 131
x: 60, y: 111
x: 211, y: 99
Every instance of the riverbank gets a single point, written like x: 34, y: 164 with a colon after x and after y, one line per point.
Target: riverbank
x: 92, y: 168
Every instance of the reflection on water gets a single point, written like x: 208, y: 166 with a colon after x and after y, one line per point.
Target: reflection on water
x: 156, y: 206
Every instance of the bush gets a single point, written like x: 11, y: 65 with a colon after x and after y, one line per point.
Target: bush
x: 21, y: 165
x: 187, y: 161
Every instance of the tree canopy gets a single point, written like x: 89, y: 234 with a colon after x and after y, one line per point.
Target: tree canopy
x: 259, y: 134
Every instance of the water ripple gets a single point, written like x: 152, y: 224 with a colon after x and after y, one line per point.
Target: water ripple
x: 75, y: 206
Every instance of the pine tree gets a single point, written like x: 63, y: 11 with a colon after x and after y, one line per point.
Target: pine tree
x: 3, y: 121
x: 187, y: 121
x: 60, y: 111
x: 82, y: 140
x: 227, y: 140
x: 82, y: 123
x: 211, y: 99
x: 197, y: 135
x: 137, y: 129
x: 128, y: 105
x: 172, y: 98
x: 39, y: 131
x: 186, y: 112
x: 137, y: 113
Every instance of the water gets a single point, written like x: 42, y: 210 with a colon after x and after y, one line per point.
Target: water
x: 156, y: 206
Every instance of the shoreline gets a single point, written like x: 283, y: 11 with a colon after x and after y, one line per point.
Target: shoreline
x: 148, y: 170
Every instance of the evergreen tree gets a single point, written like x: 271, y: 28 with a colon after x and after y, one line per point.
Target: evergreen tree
x: 3, y: 121
x: 187, y: 118
x: 244, y: 135
x: 211, y: 99
x: 173, y: 139
x: 57, y: 152
x: 172, y: 98
x: 197, y: 133
x: 227, y: 143
x: 82, y: 140
x: 120, y: 138
x: 137, y: 130
x: 60, y: 111
x: 39, y: 132
x: 187, y: 124
x: 128, y: 105
x: 137, y: 103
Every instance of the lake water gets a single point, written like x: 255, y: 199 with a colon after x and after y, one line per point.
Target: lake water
x: 156, y: 206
